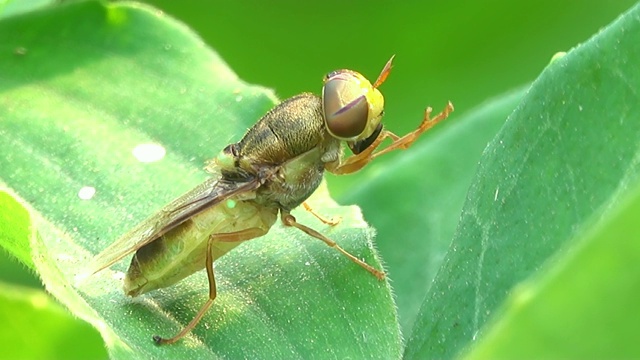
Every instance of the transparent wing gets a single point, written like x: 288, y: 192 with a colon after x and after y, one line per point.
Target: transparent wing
x: 202, y: 197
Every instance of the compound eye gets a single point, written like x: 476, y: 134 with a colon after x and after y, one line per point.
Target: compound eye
x: 346, y: 110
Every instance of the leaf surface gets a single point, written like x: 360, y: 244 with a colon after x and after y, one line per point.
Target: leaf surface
x: 93, y: 84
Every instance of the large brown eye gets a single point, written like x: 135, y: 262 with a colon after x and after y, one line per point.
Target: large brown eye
x: 344, y: 120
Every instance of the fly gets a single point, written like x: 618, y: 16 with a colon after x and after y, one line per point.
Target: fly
x: 274, y: 168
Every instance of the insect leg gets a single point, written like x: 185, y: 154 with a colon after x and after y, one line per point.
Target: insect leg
x: 246, y: 234
x: 289, y: 220
x: 332, y: 222
x: 357, y: 162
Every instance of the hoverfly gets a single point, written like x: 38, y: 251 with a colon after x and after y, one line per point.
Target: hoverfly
x: 274, y: 168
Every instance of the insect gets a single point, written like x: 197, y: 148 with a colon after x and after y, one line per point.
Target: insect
x: 273, y: 169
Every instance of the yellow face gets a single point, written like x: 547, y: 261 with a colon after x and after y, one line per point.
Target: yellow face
x: 352, y: 106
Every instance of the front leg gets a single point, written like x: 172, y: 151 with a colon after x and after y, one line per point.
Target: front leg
x: 356, y: 162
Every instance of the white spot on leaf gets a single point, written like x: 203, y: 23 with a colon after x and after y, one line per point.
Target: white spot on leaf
x: 86, y: 192
x: 148, y: 153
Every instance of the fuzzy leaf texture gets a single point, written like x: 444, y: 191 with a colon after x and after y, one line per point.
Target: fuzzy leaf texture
x: 83, y: 86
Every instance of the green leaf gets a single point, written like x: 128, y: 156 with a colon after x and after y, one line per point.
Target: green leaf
x: 423, y: 191
x: 14, y: 230
x: 14, y: 240
x: 563, y: 159
x: 95, y: 81
x: 10, y: 8
x: 36, y: 327
x: 584, y: 303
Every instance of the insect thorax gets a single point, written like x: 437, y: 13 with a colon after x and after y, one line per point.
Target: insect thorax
x: 292, y: 138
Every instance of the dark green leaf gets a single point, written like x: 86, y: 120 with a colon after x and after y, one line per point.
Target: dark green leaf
x: 423, y: 191
x: 563, y: 159
x: 585, y: 303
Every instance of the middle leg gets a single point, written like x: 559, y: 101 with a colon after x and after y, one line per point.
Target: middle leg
x: 246, y: 234
x: 289, y: 220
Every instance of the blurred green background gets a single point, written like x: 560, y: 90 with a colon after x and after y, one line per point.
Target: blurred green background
x: 463, y: 51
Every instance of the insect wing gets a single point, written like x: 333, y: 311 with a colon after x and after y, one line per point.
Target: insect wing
x: 200, y: 198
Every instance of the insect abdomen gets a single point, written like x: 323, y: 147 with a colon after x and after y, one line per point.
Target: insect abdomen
x: 182, y: 251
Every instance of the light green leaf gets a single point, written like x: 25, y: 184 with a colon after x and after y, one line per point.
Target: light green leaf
x: 94, y: 82
x: 14, y: 229
x: 564, y: 158
x: 14, y: 7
